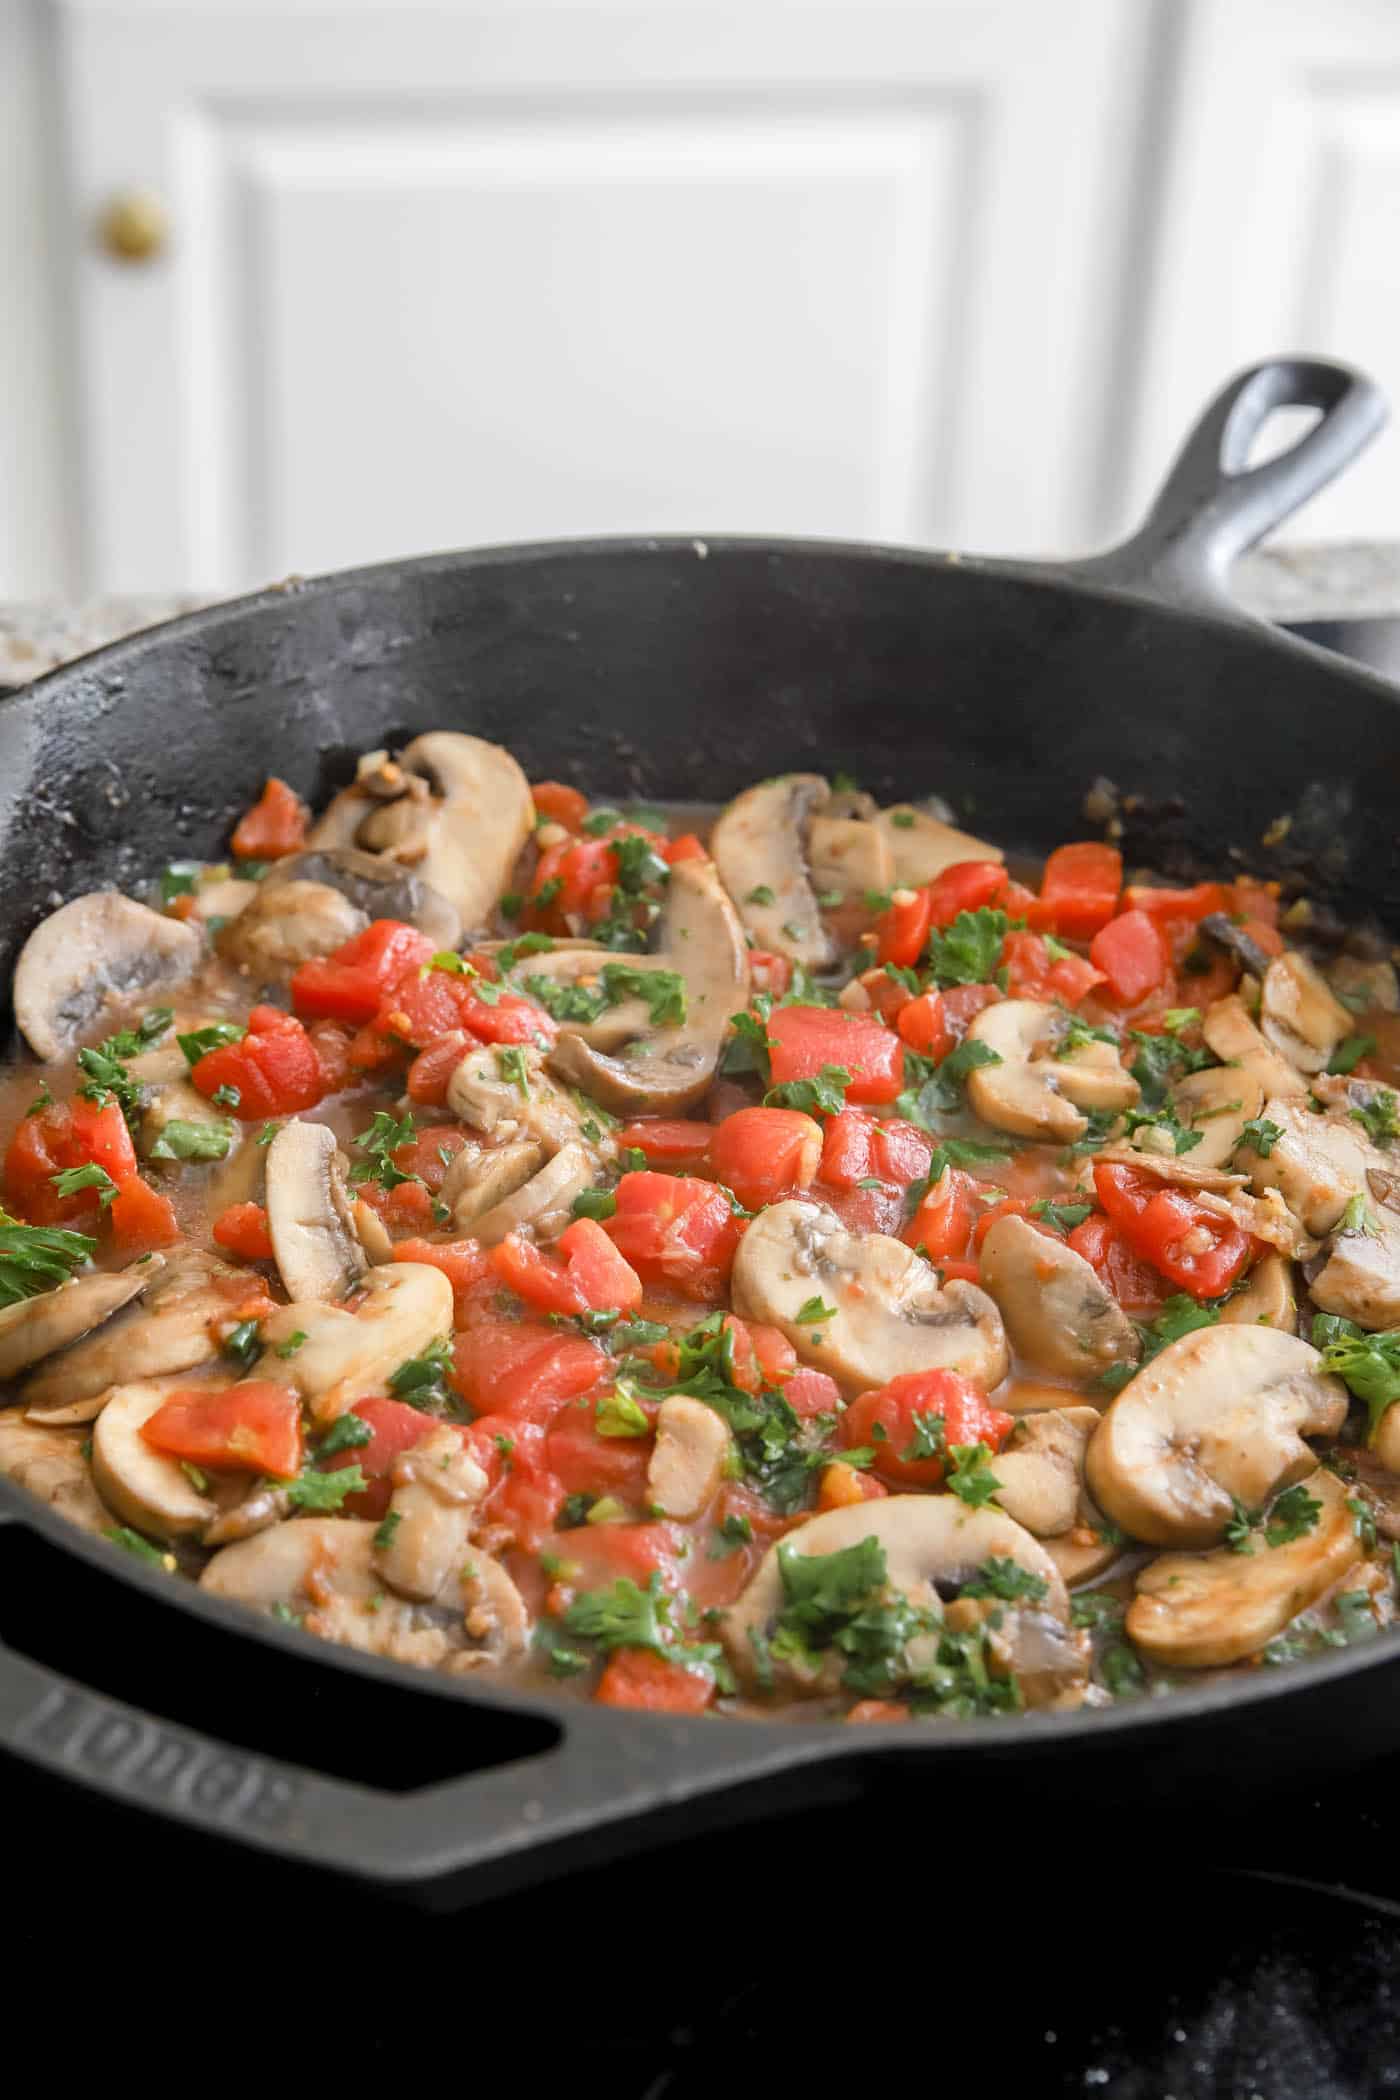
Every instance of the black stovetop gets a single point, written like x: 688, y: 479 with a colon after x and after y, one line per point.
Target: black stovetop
x: 968, y: 1944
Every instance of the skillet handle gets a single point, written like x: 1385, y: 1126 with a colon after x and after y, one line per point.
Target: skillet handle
x: 604, y: 1772
x: 1212, y: 507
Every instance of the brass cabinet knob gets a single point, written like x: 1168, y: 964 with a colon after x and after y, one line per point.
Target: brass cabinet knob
x: 133, y: 226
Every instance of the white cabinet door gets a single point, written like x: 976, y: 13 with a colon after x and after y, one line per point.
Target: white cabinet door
x: 457, y: 274
x: 1280, y: 228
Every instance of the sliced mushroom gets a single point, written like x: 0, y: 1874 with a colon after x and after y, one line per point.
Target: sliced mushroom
x: 1232, y: 1035
x: 1317, y: 1164
x: 1089, y: 1549
x: 932, y: 1545
x: 1369, y: 984
x: 482, y: 1176
x: 1022, y: 1092
x: 687, y: 1461
x: 87, y: 959
x: 888, y: 1312
x: 1268, y: 1298
x: 49, y: 1464
x: 483, y: 818
x: 379, y: 888
x: 1092, y: 1076
x: 1057, y: 1313
x: 140, y: 1485
x: 1360, y: 1278
x: 1217, y: 1417
x: 287, y: 924
x: 923, y: 846
x: 543, y: 1205
x: 1200, y: 1611
x: 262, y: 1504
x: 668, y: 1069
x: 848, y: 855
x: 437, y: 1487
x: 1217, y: 1103
x: 171, y: 1330
x: 582, y: 964
x: 760, y: 848
x: 37, y: 1327
x: 508, y: 1100
x: 401, y: 1308
x: 1299, y: 1014
x: 309, y: 1214
x: 1041, y: 1469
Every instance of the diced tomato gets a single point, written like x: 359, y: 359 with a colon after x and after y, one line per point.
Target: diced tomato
x: 350, y: 984
x: 1133, y: 955
x: 968, y: 885
x: 242, y: 1229
x: 408, y: 1205
x: 1133, y: 1281
x: 901, y: 931
x: 1078, y: 891
x: 841, y: 1486
x: 1189, y: 1245
x: 394, y: 1428
x: 806, y: 1039
x: 1258, y: 901
x: 419, y: 1008
x: 810, y: 1393
x: 942, y: 1224
x: 769, y: 972
x: 992, y: 1214
x: 922, y: 1025
x: 1189, y: 905
x: 1033, y: 974
x: 689, y: 846
x: 274, y: 1068
x: 566, y: 879
x: 559, y: 804
x: 675, y: 1230
x: 968, y: 1417
x: 765, y: 1153
x: 252, y: 1427
x: 432, y: 1068
x: 857, y: 1147
x: 429, y: 1153
x: 141, y: 1219
x: 868, y: 1710
x: 963, y: 1002
x: 526, y: 1372
x: 587, y: 1463
x: 527, y: 1495
x: 463, y: 1262
x: 331, y: 1042
x: 102, y: 1137
x: 641, y: 1679
x: 668, y: 1142
x: 887, y: 996
x: 763, y: 1356
x: 274, y: 826
x: 593, y: 1275
x: 59, y: 1138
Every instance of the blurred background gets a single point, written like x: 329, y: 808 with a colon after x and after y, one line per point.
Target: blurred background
x: 298, y: 285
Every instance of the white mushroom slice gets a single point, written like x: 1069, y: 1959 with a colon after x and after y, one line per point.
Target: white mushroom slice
x: 543, y: 1205
x: 483, y: 818
x: 513, y: 1098
x: 848, y: 855
x: 1317, y: 1164
x: 49, y: 1464
x: 1217, y: 1103
x: 262, y: 1504
x: 1368, y: 984
x: 378, y: 887
x: 667, y: 1069
x: 222, y: 900
x: 923, y: 846
x: 1299, y: 1014
x: 888, y: 1312
x: 687, y: 1461
x: 1200, y: 1611
x: 87, y: 959
x: 403, y: 1307
x: 760, y: 848
x: 309, y: 1214
x: 1041, y: 1469
x: 287, y: 924
x: 36, y: 1327
x: 1232, y: 1035
x: 1360, y: 1278
x: 171, y: 1330
x: 1092, y: 1076
x: 140, y: 1485
x: 371, y: 1231
x: 1268, y: 1298
x: 437, y: 1486
x: 180, y: 1103
x: 1021, y: 1092
x: 1217, y: 1417
x: 932, y: 1544
x: 1058, y: 1315
x: 1089, y: 1549
x: 482, y: 1176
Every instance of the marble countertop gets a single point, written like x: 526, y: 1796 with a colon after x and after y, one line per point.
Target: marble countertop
x: 1344, y: 579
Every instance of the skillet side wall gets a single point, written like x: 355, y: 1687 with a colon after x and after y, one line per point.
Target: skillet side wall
x: 648, y: 668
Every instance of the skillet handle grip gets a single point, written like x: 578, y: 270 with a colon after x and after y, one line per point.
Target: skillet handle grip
x: 1212, y: 506
x: 604, y: 1773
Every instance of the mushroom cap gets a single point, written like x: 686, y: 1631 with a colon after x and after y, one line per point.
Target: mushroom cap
x: 37, y: 1327
x: 543, y: 1203
x: 923, y: 846
x: 687, y: 1460
x: 314, y: 1242
x: 1299, y: 1013
x: 1232, y: 1035
x: 1057, y: 1313
x: 49, y: 1464
x: 891, y: 1315
x: 1200, y: 1611
x: 849, y: 855
x: 437, y: 1487
x: 140, y: 1485
x: 1217, y: 1103
x: 667, y: 1069
x: 1317, y: 1165
x: 1041, y: 1469
x: 482, y: 1176
x: 378, y: 887
x: 1268, y: 1299
x: 487, y: 1098
x: 289, y: 923
x: 1022, y: 1091
x: 1217, y: 1417
x: 169, y: 1331
x: 484, y: 818
x: 759, y: 844
x: 86, y: 959
x: 403, y: 1307
x: 1360, y: 1278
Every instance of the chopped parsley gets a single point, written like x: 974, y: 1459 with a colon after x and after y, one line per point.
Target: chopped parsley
x: 930, y: 1438
x: 323, y: 1491
x: 970, y: 1476
x: 1180, y: 1315
x: 760, y: 894
x: 748, y: 1048
x: 1349, y: 1053
x: 1378, y: 1118
x: 813, y: 1312
x: 735, y: 1531
x: 71, y: 1181
x: 216, y: 1036
x: 381, y: 1140
x: 1259, y: 1135
x: 1159, y: 1061
x: 1061, y: 1217
x: 179, y: 879
x: 620, y: 1414
x: 1007, y: 1580
x: 968, y: 951
x: 594, y: 1203
x: 422, y: 1381
x: 1293, y: 1516
x: 933, y: 1090
x: 1369, y: 1364
x: 510, y: 1063
x: 36, y: 1258
x: 346, y: 1433
x: 244, y: 1344
x: 184, y: 1140
x: 141, y: 1548
x: 384, y: 1534
x: 825, y: 1095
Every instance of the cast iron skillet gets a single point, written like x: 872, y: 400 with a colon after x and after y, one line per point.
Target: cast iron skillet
x: 679, y: 667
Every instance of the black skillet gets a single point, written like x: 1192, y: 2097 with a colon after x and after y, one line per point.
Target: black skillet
x: 682, y: 668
